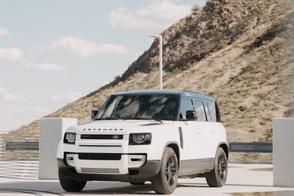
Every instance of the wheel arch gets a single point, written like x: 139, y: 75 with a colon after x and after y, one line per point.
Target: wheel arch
x: 175, y: 147
x: 225, y: 147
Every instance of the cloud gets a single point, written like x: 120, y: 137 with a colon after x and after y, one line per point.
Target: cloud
x: 85, y: 48
x: 122, y: 18
x: 48, y: 67
x: 5, y: 95
x: 43, y: 66
x: 67, y: 97
x: 11, y: 54
x: 15, y: 54
x: 3, y: 31
x: 156, y: 14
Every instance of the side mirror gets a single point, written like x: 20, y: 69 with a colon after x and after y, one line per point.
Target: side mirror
x: 190, y: 115
x: 94, y: 113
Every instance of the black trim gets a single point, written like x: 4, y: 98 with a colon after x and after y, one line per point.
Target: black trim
x: 99, y: 156
x: 181, y: 137
x: 101, y: 137
x: 147, y: 172
x: 111, y: 153
x: 100, y: 145
x: 195, y: 166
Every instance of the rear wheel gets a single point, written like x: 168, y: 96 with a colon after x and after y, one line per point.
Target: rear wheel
x: 167, y: 179
x: 218, y: 176
x: 71, y: 185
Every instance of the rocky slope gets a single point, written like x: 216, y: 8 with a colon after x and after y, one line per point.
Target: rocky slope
x: 238, y: 51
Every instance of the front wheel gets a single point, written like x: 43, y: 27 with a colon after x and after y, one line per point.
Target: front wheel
x: 71, y: 185
x: 167, y: 179
x: 218, y: 176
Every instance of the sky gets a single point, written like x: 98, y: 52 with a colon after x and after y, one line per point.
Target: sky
x: 52, y: 52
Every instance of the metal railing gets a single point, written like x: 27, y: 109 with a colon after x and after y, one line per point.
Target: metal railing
x: 251, y: 147
x: 247, y: 147
x: 22, y: 146
x: 30, y: 169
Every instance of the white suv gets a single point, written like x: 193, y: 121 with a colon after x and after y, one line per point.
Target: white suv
x: 140, y: 136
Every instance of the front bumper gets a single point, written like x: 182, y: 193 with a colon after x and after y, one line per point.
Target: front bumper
x: 122, y: 167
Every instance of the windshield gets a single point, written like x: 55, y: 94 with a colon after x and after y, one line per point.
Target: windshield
x: 157, y: 107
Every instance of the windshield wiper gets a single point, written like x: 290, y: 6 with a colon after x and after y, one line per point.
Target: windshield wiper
x: 158, y: 120
x: 116, y: 118
x: 108, y: 118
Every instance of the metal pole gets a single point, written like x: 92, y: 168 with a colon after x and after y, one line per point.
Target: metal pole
x: 160, y: 62
x: 159, y: 37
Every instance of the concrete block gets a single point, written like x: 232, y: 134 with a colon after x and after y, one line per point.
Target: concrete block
x: 283, y: 156
x: 51, y: 131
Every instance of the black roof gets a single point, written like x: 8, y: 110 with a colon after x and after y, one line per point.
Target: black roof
x: 166, y: 92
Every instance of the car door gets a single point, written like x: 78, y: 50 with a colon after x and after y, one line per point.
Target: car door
x: 208, y: 133
x: 194, y: 143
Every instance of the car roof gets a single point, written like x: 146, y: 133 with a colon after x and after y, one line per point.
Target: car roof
x: 166, y: 92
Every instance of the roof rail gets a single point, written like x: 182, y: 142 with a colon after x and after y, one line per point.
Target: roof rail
x: 196, y: 93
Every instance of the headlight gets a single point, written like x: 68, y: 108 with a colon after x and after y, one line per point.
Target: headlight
x: 140, y: 138
x: 69, y: 138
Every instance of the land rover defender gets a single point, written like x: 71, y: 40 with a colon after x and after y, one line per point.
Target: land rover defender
x: 152, y: 135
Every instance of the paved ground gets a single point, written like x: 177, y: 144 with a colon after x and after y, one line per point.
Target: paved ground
x: 242, y: 179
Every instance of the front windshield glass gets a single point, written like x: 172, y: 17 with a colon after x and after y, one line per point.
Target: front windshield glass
x: 157, y: 107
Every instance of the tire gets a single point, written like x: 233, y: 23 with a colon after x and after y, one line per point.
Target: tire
x: 218, y: 176
x: 71, y: 185
x: 167, y: 179
x: 137, y: 183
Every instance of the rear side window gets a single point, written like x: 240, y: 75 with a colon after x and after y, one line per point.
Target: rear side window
x: 186, y: 104
x: 207, y: 111
x: 212, y: 110
x: 199, y: 109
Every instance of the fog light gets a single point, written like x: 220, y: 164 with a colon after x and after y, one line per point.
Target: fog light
x: 70, y: 159
x: 136, y: 161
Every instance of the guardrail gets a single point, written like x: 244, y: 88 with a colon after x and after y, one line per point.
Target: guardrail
x: 22, y: 145
x: 251, y: 147
x: 30, y: 169
x: 248, y: 147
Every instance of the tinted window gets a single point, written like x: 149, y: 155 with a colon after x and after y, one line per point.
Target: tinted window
x: 161, y: 107
x: 199, y: 108
x: 207, y: 111
x: 211, y: 106
x: 186, y: 104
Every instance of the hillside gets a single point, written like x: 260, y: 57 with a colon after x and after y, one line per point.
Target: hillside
x: 238, y: 51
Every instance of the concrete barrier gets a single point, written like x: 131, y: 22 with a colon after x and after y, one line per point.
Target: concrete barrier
x: 51, y: 131
x: 283, y: 156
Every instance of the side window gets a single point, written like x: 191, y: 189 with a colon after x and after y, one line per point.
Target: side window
x: 206, y: 106
x: 199, y: 108
x: 186, y: 104
x: 211, y: 106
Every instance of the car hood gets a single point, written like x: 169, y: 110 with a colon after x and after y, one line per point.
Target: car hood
x: 117, y: 125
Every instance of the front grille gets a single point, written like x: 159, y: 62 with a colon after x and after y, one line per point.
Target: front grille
x: 101, y: 137
x: 100, y: 170
x: 99, y: 156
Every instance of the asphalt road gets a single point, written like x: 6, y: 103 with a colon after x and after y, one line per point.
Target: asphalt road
x: 242, y: 179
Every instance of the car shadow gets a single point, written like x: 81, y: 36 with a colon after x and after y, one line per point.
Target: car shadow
x: 92, y: 188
